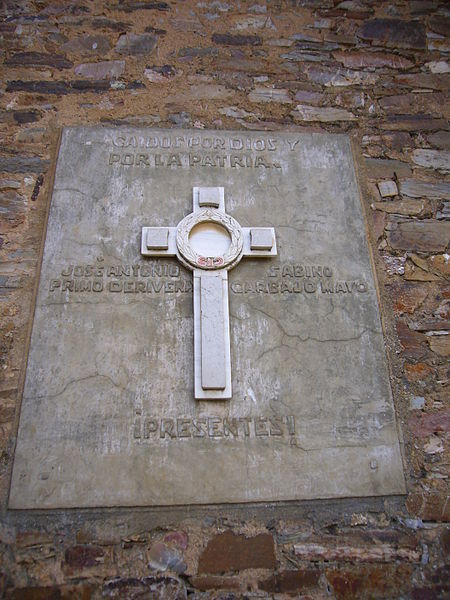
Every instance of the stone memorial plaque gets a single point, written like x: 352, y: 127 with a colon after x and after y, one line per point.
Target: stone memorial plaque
x: 206, y: 327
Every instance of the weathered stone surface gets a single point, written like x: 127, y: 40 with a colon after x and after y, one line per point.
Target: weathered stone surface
x: 69, y: 87
x: 101, y: 423
x: 440, y: 344
x: 422, y: 425
x: 426, y: 105
x: 254, y: 22
x: 432, y: 159
x: 160, y: 74
x: 230, y: 552
x: 12, y: 207
x: 88, y: 44
x: 419, y: 122
x: 131, y: 6
x: 135, y: 44
x: 101, y: 70
x: 429, y: 506
x: 408, y: 297
x: 440, y: 24
x: 401, y: 207
x: 346, y: 553
x: 424, y: 80
x: 83, y: 556
x: 314, y: 98
x: 133, y: 588
x: 372, y: 581
x: 204, y: 91
x: 303, y: 112
x: 290, y: 581
x: 23, y: 164
x: 266, y: 94
x: 438, y: 66
x: 340, y: 77
x: 27, y: 116
x: 387, y: 188
x: 413, y: 343
x: 415, y: 188
x: 38, y: 59
x: 422, y: 236
x: 163, y: 558
x: 56, y: 592
x: 227, y: 39
x: 378, y: 168
x: 394, y: 32
x: 363, y: 59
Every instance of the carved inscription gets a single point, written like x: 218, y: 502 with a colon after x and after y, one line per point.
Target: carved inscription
x: 190, y: 151
x: 147, y: 428
x: 167, y: 278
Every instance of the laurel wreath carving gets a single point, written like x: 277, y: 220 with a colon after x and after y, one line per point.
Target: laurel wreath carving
x: 231, y: 256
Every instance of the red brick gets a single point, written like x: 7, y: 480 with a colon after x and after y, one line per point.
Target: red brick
x: 422, y: 425
x: 290, y: 581
x: 230, y: 552
x: 370, y: 583
x: 83, y: 556
x: 214, y: 582
x: 417, y: 372
x: 429, y: 506
x: 64, y: 592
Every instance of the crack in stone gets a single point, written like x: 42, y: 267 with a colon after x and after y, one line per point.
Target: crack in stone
x: 76, y: 380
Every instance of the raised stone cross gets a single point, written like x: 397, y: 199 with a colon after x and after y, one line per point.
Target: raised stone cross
x: 210, y: 243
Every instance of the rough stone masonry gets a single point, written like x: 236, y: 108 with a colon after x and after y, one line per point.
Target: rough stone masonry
x: 375, y: 70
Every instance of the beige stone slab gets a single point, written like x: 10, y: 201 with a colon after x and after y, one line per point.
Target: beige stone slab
x: 108, y: 413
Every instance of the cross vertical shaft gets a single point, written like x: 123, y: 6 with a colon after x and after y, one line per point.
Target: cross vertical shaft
x: 210, y: 264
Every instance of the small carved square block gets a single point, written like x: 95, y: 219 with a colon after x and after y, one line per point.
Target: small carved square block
x: 157, y: 238
x: 261, y: 239
x: 210, y: 196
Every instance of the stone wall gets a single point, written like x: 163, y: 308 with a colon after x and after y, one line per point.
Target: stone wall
x: 373, y: 69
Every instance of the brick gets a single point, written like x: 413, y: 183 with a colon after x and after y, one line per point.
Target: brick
x: 227, y: 39
x: 135, y: 44
x: 82, y: 556
x: 394, y: 33
x: 38, y: 59
x: 401, y: 207
x: 420, y: 122
x: 214, y: 582
x: 432, y: 159
x: 420, y: 236
x: 417, y: 372
x: 268, y: 94
x: 424, y: 80
x: 131, y: 588
x: 63, y: 592
x: 439, y: 24
x: 23, y: 164
x: 96, y: 45
x: 131, y: 6
x: 332, y: 551
x: 429, y: 506
x: 101, y: 70
x: 290, y: 581
x: 407, y: 297
x: 440, y: 139
x: 422, y: 425
x: 415, y: 188
x: 27, y: 116
x: 370, y: 582
x: 361, y: 59
x: 384, y: 168
x: 230, y: 552
x: 327, y: 114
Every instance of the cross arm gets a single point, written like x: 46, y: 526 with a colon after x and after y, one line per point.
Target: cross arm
x: 159, y: 241
x: 259, y: 242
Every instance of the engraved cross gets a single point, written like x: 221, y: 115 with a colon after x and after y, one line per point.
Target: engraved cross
x: 210, y: 242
